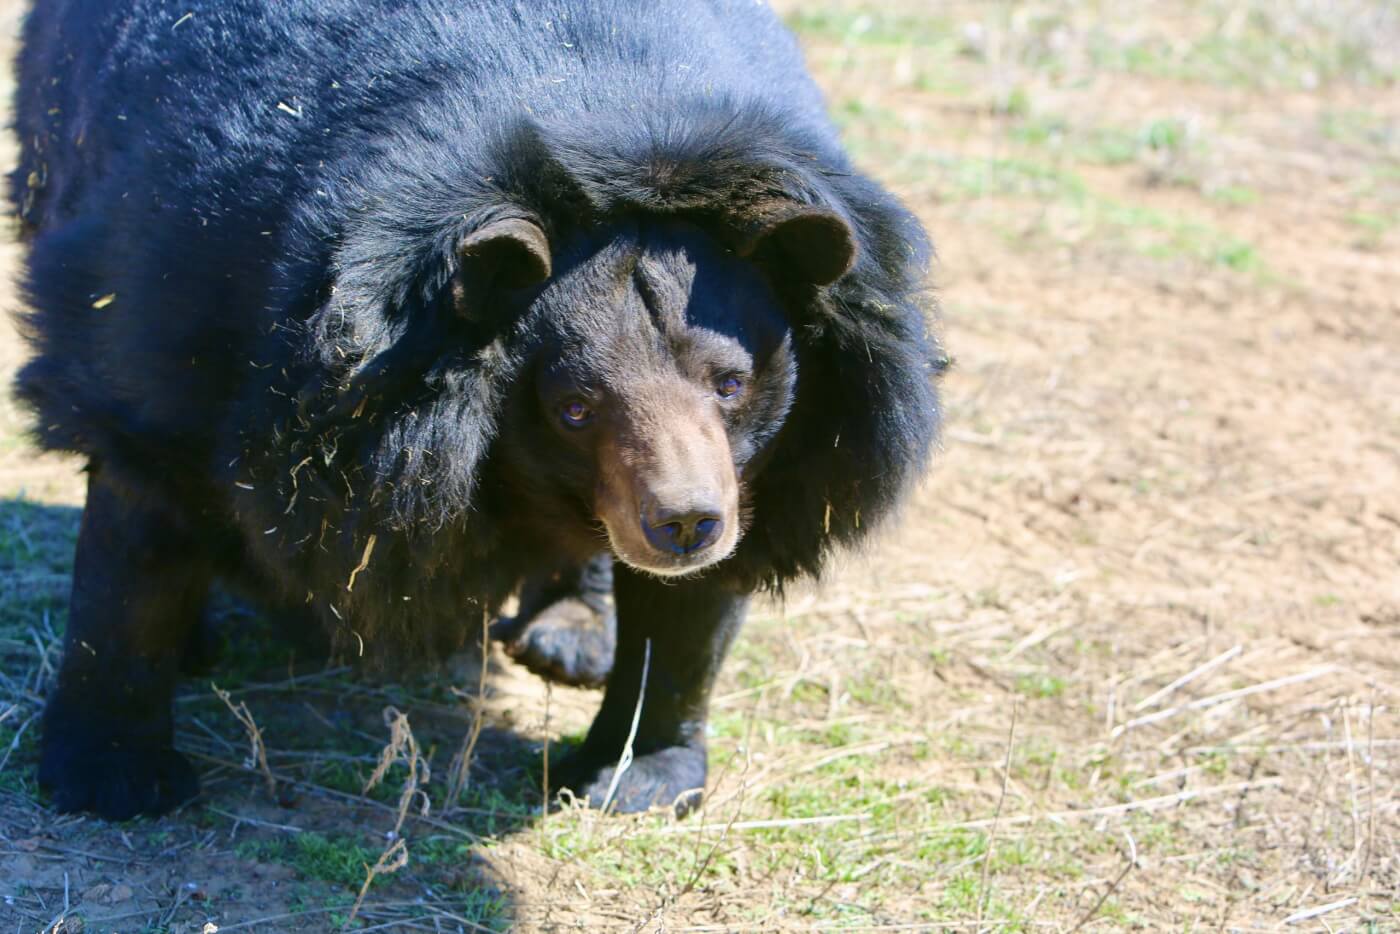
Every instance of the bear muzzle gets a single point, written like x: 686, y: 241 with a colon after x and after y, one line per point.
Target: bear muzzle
x: 670, y: 500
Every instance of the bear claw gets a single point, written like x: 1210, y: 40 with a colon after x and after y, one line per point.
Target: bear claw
x: 672, y: 777
x: 114, y: 780
x: 569, y: 642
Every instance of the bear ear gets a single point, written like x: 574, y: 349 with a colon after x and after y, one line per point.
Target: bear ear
x: 811, y: 243
x: 512, y: 252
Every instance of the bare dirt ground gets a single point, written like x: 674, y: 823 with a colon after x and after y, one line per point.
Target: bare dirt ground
x: 1130, y: 660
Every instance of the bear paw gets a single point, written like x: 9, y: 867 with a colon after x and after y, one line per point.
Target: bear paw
x: 116, y: 780
x: 672, y: 777
x: 569, y: 642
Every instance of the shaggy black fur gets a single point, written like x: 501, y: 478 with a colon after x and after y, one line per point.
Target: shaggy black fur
x: 252, y: 317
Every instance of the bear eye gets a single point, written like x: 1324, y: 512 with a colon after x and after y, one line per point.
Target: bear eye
x: 576, y: 413
x: 729, y: 387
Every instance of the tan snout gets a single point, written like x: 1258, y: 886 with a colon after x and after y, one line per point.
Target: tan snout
x: 667, y: 491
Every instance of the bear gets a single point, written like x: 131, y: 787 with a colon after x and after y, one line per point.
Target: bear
x: 384, y: 311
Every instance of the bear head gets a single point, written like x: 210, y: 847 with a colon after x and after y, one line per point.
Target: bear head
x: 659, y: 370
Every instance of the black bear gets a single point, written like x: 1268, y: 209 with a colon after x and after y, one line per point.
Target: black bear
x: 394, y: 308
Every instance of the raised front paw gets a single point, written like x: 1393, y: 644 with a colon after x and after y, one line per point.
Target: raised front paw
x: 672, y: 777
x: 117, y: 777
x: 569, y: 642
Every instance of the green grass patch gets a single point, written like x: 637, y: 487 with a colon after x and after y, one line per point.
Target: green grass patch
x: 873, y: 26
x: 855, y: 110
x: 1159, y: 144
x: 1364, y: 129
x: 1371, y: 228
x: 36, y: 560
x: 1173, y: 235
x: 1165, y: 136
x: 1140, y: 229
x: 493, y: 810
x: 18, y: 771
x: 1264, y: 51
x: 1371, y: 223
x: 1108, y: 147
x: 1040, y: 685
x: 1233, y: 195
x: 873, y: 690
x: 975, y: 177
x: 338, y: 860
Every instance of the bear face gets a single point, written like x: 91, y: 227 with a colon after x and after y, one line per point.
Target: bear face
x: 661, y: 371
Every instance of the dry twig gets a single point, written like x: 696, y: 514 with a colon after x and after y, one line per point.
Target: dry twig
x: 1187, y: 678
x: 402, y: 746
x: 624, y: 761
x: 1112, y: 886
x: 364, y: 562
x: 459, y: 773
x: 258, y: 752
x: 14, y: 742
x: 394, y: 858
x: 1309, y: 913
x: 1213, y: 700
x: 996, y: 816
x: 548, y: 699
x: 1142, y: 804
x: 1370, y: 790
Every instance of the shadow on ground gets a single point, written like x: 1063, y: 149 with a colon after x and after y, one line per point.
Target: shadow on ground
x: 242, y: 856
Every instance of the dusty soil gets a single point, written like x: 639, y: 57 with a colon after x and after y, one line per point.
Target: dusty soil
x: 1130, y: 658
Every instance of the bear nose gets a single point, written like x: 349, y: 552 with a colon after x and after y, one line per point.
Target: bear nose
x: 682, y: 531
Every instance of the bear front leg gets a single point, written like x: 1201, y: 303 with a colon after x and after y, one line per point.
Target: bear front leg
x: 139, y: 582
x: 689, y: 625
x: 566, y: 628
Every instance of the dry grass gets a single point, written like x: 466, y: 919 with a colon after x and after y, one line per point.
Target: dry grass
x: 1163, y: 538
